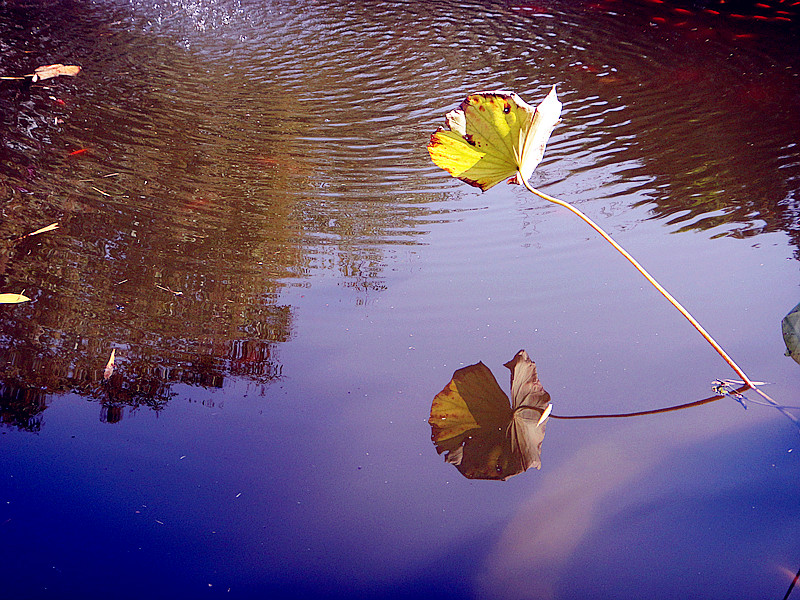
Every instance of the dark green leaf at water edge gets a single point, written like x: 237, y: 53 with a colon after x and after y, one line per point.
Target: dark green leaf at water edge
x: 791, y: 333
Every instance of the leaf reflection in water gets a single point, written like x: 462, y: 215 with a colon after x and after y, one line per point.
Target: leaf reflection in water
x: 483, y: 436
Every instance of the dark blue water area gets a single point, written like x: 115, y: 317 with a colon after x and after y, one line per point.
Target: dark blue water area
x: 163, y: 505
x: 723, y: 536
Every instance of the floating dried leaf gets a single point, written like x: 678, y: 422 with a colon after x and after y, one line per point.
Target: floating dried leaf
x: 13, y: 298
x: 109, y: 366
x: 50, y: 71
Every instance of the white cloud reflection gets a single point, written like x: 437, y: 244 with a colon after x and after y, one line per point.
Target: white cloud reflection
x: 535, y: 550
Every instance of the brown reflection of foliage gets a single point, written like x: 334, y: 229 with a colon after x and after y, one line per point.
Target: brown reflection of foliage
x: 172, y: 249
x: 145, y: 379
x: 705, y: 133
x: 190, y: 192
x: 21, y: 406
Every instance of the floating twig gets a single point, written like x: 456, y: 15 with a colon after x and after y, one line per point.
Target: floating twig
x: 99, y: 191
x: 168, y: 289
x: 50, y: 227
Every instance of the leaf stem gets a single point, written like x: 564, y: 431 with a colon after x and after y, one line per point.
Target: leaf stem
x: 654, y: 411
x: 748, y: 382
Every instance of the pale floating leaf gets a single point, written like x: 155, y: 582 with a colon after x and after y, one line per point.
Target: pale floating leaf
x: 50, y: 71
x: 529, y: 400
x: 110, y: 365
x: 13, y: 298
x: 50, y: 227
x: 493, y: 136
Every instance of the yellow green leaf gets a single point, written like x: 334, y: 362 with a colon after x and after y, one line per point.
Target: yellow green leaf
x: 493, y: 136
x: 13, y: 298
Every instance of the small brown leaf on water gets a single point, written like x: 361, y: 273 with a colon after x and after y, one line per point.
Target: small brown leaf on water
x: 109, y: 366
x: 50, y: 71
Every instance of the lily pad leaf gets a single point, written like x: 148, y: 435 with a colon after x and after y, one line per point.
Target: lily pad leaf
x: 13, y: 298
x: 480, y: 432
x: 493, y: 136
x: 791, y: 333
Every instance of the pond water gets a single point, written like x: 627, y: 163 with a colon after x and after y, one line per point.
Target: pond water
x: 250, y: 219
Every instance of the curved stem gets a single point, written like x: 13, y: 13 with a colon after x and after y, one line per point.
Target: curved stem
x: 748, y: 382
x: 655, y: 411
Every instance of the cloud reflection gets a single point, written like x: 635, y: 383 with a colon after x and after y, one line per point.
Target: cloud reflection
x: 534, y: 551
